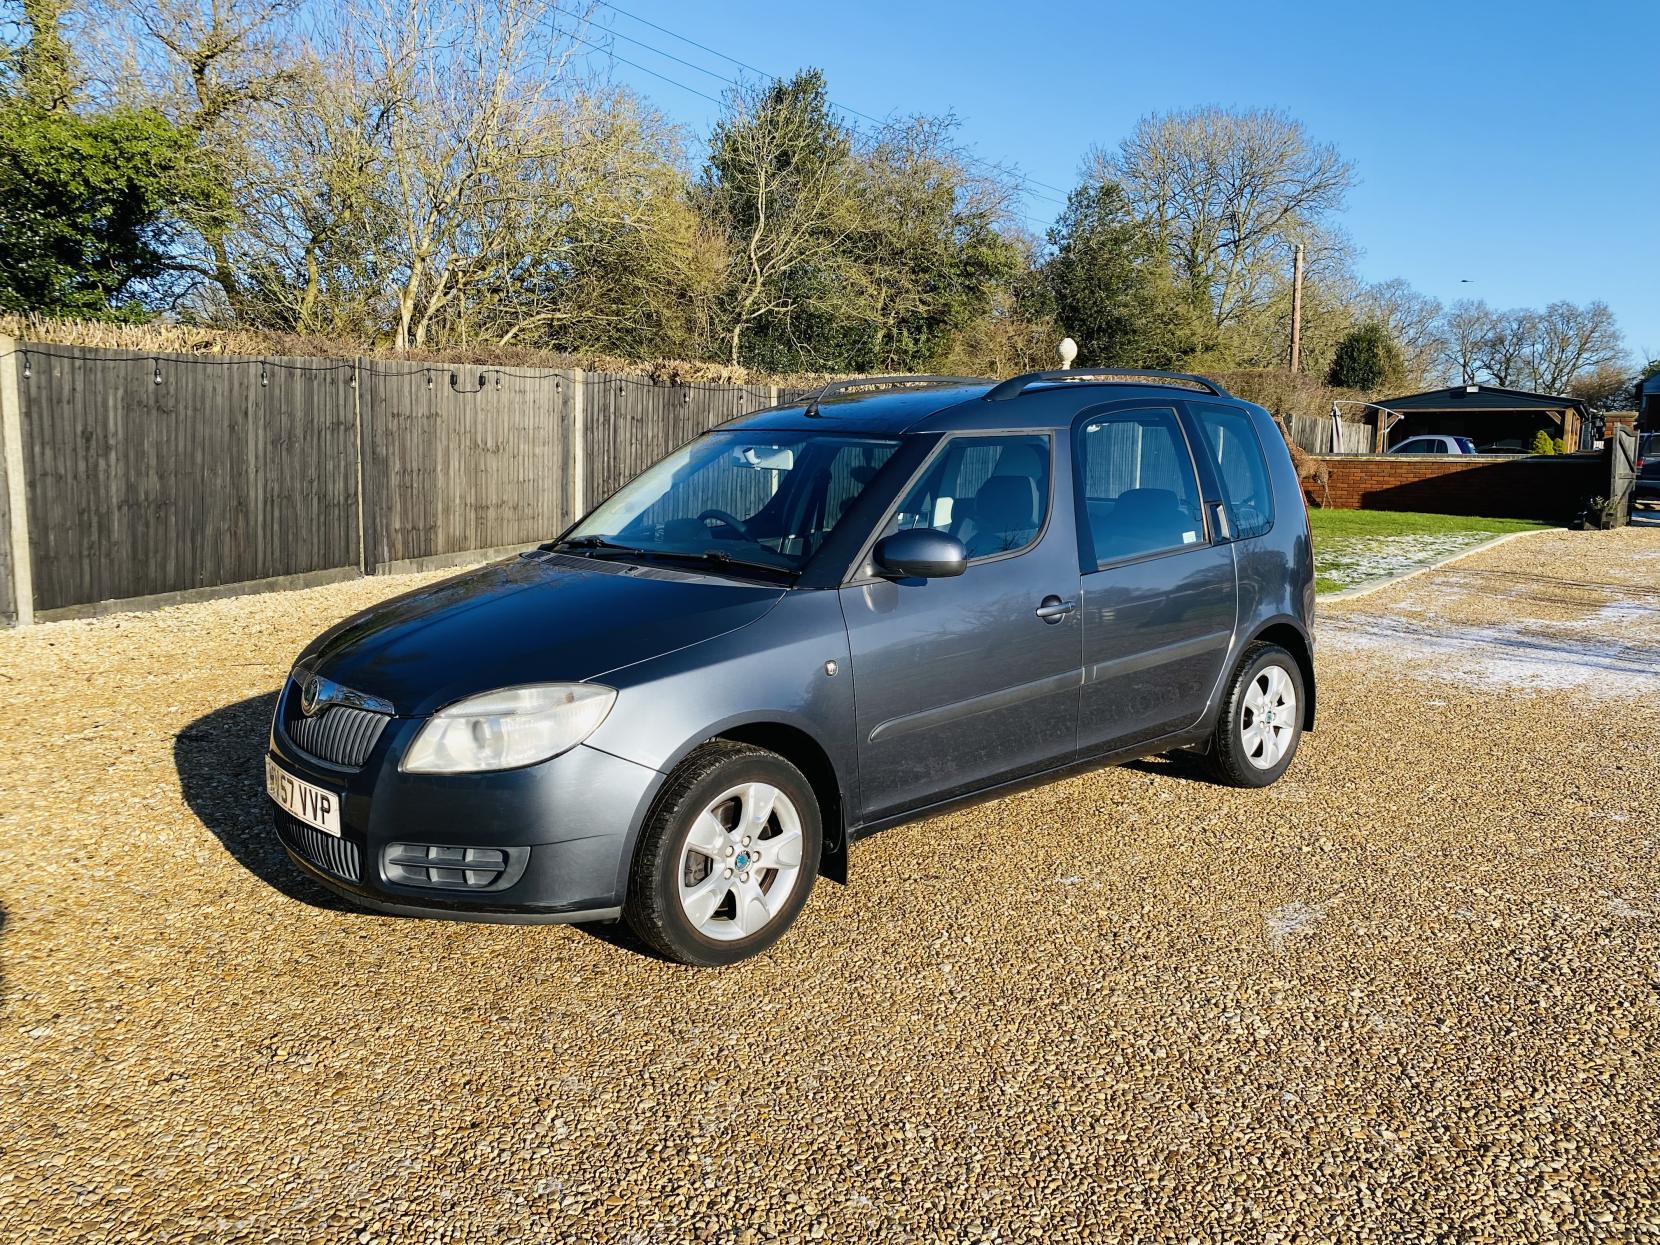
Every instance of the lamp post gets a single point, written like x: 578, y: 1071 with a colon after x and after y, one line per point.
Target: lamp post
x: 1068, y: 351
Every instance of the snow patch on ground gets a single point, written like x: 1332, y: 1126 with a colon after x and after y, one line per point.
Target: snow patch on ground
x: 1619, y: 907
x: 1295, y: 917
x: 1588, y: 655
x: 1351, y: 560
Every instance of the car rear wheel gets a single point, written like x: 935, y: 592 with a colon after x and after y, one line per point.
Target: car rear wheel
x: 728, y: 857
x: 1262, y: 719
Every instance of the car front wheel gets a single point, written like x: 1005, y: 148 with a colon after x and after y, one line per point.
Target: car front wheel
x: 728, y: 857
x: 1262, y: 719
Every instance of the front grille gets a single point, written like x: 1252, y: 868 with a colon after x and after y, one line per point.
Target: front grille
x: 451, y: 868
x: 334, y: 856
x: 340, y: 734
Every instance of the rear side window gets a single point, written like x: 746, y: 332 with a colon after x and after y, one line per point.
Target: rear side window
x: 1137, y: 485
x: 1231, y: 441
x: 991, y: 493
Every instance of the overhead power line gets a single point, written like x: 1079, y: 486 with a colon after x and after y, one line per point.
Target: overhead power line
x: 1026, y: 183
x: 623, y: 60
x: 1032, y: 221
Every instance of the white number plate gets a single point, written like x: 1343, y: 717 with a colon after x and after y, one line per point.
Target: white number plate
x: 312, y: 805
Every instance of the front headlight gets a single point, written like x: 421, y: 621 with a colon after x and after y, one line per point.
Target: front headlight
x: 506, y: 729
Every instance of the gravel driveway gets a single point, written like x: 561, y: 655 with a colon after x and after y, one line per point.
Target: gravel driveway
x: 1412, y: 992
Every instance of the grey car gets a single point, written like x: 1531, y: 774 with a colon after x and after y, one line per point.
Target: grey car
x: 810, y: 624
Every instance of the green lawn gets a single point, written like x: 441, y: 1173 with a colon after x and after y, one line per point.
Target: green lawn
x: 1353, y: 546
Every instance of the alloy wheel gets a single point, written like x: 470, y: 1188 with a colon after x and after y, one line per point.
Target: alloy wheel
x: 741, y: 861
x: 1268, y: 717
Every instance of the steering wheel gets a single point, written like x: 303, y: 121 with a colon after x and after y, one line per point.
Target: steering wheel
x: 725, y: 520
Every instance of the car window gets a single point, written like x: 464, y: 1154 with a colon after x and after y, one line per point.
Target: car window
x: 991, y: 493
x: 1233, y: 446
x: 1136, y: 485
x: 771, y: 497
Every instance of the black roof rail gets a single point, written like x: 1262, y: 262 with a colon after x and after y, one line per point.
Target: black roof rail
x: 834, y: 387
x: 1016, y: 385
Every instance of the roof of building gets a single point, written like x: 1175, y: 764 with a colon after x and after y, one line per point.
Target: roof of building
x: 1481, y: 398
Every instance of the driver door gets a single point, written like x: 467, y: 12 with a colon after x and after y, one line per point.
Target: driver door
x: 959, y: 683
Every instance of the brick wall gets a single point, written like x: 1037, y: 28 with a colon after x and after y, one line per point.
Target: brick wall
x: 1552, y: 488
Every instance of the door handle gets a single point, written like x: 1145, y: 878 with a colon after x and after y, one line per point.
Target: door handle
x: 1053, y: 609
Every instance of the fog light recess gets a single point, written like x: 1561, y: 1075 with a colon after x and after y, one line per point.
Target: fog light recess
x: 452, y: 868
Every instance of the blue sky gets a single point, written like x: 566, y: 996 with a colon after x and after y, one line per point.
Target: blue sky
x: 1512, y: 144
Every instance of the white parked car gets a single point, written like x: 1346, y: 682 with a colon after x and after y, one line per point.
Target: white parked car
x: 1434, y: 445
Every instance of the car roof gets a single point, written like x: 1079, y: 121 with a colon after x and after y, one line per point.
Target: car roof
x: 955, y: 406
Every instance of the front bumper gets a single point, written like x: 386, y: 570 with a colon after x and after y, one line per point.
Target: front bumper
x: 565, y: 827
x: 532, y: 915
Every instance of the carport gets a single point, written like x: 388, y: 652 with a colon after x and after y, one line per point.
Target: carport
x: 1489, y: 416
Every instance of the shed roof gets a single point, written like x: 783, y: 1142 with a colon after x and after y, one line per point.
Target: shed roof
x: 1482, y: 398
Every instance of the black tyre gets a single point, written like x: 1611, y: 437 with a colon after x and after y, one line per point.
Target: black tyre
x: 728, y: 857
x: 1261, y: 722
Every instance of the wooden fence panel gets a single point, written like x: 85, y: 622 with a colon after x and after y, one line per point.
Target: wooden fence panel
x: 1355, y: 438
x: 206, y: 478
x: 630, y: 422
x: 462, y: 458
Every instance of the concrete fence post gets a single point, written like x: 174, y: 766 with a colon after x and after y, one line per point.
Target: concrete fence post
x: 17, y: 493
x: 358, y: 379
x: 578, y: 448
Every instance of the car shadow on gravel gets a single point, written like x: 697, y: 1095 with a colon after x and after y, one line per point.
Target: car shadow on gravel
x: 1186, y: 765
x: 220, y: 758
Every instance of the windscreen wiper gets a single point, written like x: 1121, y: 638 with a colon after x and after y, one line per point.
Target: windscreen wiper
x: 706, y: 557
x: 716, y: 557
x: 597, y: 543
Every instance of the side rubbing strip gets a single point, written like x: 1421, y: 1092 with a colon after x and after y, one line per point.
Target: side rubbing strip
x: 1002, y: 699
x: 1160, y: 656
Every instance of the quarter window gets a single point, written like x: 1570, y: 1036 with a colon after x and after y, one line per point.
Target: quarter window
x: 1232, y: 444
x: 991, y: 493
x: 1137, y: 485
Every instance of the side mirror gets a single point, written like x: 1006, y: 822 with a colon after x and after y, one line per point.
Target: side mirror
x: 920, y: 553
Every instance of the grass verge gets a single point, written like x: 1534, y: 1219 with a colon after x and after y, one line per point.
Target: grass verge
x: 1354, y: 546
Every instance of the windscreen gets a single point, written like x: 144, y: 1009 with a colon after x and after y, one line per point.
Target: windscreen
x: 761, y: 497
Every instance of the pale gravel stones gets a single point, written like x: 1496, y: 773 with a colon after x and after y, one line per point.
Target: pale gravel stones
x: 1067, y: 1016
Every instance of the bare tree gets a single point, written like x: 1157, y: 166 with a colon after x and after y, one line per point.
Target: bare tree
x: 211, y: 65
x: 1567, y: 341
x: 1606, y: 387
x: 1545, y: 351
x: 1464, y: 329
x: 1414, y: 323
x: 1229, y: 193
x: 1502, y: 354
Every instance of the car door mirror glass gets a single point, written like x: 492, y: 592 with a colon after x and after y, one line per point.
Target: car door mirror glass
x: 920, y: 553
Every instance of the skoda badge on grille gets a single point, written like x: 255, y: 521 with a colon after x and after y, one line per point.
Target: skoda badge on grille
x: 318, y: 693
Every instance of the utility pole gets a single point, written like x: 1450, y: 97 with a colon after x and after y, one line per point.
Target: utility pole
x: 1297, y: 309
